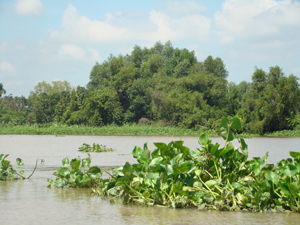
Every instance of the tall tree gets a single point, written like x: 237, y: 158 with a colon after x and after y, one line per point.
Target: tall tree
x: 2, y: 90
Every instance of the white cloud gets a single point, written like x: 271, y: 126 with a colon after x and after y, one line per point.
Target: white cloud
x: 6, y: 69
x: 71, y: 52
x: 295, y: 70
x: 4, y: 47
x: 259, y: 30
x: 184, y: 8
x: 124, y: 26
x: 14, y: 83
x: 80, y: 29
x: 256, y: 20
x: 75, y: 52
x: 29, y: 7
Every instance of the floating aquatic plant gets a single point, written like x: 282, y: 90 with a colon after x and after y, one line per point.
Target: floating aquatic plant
x: 7, y: 172
x: 210, y: 178
x: 95, y: 148
x: 76, y: 173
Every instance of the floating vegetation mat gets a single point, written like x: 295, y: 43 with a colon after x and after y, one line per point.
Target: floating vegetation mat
x: 212, y: 177
x: 95, y: 148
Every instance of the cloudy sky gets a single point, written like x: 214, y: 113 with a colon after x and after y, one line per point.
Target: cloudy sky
x: 61, y: 40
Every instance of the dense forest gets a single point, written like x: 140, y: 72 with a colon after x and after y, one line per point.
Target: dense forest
x: 162, y: 86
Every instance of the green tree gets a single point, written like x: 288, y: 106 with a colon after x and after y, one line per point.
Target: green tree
x: 102, y: 107
x: 42, y: 107
x: 54, y: 87
x: 2, y: 90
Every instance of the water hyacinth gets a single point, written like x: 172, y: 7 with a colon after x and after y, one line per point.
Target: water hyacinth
x: 210, y: 178
x: 95, y: 148
x: 76, y: 173
x: 7, y: 172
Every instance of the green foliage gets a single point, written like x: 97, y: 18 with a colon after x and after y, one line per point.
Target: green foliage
x: 95, y: 148
x: 76, y: 173
x: 167, y: 86
x: 7, y: 172
x: 112, y: 129
x: 212, y: 177
x: 2, y: 90
x: 50, y: 89
x: 271, y: 101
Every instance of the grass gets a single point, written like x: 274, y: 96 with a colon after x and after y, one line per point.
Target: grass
x: 112, y: 130
x: 125, y: 130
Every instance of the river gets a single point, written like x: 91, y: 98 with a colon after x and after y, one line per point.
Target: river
x: 31, y: 202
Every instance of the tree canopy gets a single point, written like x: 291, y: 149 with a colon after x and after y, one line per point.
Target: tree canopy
x: 166, y: 86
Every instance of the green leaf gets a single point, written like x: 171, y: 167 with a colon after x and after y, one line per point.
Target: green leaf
x: 127, y: 168
x: 257, y: 196
x: 256, y: 169
x: 242, y: 199
x: 153, y: 176
x: 169, y: 170
x: 137, y: 151
x: 148, y: 182
x: 112, y: 191
x: 75, y: 164
x: 65, y: 161
x: 224, y: 123
x: 231, y: 136
x: 63, y: 171
x: 294, y: 189
x: 156, y: 161
x: 223, y: 132
x: 295, y: 155
x: 272, y: 176
x: 19, y: 162
x: 160, y: 145
x: 210, y: 183
x: 236, y: 124
x: 155, y: 153
x: 143, y: 159
x: 94, y: 170
x: 285, y: 189
x: 236, y: 185
x: 290, y: 170
x: 2, y: 157
x: 86, y: 162
x: 223, y: 151
x: 203, y: 139
x: 146, y: 150
x: 119, y: 171
x: 244, y: 146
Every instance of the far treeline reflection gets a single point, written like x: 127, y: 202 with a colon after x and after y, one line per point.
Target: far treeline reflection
x: 162, y: 86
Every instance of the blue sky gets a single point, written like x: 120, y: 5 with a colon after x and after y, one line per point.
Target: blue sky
x: 46, y: 40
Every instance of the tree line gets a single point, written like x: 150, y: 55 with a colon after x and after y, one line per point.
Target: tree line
x: 161, y: 85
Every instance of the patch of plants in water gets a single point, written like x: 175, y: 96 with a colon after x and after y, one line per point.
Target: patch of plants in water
x: 213, y: 177
x: 95, y: 148
x: 7, y: 172
x: 76, y: 173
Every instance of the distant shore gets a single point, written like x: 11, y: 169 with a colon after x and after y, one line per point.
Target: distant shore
x: 125, y: 130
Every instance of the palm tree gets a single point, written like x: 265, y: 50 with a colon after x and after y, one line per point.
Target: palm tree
x: 2, y: 90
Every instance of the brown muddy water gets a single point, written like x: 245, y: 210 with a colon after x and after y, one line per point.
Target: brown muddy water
x: 31, y: 202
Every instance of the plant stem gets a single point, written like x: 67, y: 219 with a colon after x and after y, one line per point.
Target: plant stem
x: 42, y: 160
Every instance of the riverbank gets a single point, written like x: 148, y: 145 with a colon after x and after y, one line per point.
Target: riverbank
x: 125, y: 130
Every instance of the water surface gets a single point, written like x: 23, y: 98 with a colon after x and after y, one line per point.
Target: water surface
x: 31, y: 202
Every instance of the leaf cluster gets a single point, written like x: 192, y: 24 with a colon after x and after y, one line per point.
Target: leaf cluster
x: 7, y: 172
x: 95, y: 148
x: 210, y: 178
x: 76, y: 173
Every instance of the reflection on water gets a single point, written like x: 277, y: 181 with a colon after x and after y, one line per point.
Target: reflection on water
x: 31, y: 202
